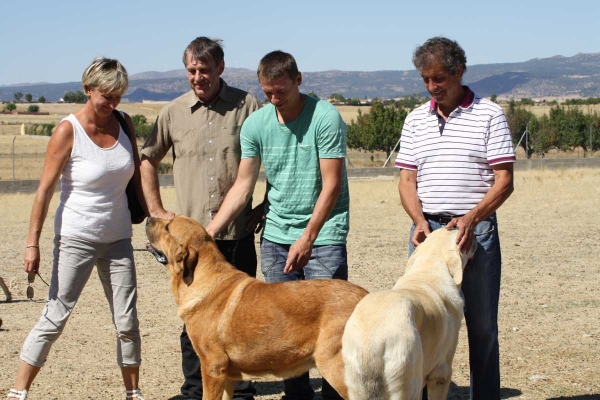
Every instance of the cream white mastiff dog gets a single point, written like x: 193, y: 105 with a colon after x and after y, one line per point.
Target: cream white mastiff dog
x: 397, y: 341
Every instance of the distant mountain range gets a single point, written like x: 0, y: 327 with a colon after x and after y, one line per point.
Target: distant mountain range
x: 577, y: 76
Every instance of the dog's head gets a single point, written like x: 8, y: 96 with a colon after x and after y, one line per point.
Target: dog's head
x: 177, y: 243
x: 441, y: 244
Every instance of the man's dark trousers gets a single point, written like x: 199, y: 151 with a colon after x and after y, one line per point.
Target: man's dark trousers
x: 241, y: 254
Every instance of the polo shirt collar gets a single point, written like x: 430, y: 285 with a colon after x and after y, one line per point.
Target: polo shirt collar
x: 225, y: 93
x: 466, y: 102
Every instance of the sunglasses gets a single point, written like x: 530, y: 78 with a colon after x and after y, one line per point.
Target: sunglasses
x: 30, y: 292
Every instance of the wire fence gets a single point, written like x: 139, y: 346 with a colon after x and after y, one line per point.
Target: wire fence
x: 22, y: 156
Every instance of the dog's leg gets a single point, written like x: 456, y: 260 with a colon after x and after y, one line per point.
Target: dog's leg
x: 5, y: 290
x: 438, y: 382
x: 332, y: 370
x: 214, y: 380
x: 213, y: 388
x: 229, y: 386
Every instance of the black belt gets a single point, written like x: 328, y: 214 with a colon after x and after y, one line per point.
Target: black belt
x: 440, y: 218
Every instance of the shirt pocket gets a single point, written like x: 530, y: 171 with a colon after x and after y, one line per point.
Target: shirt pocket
x: 231, y: 142
x: 187, y: 144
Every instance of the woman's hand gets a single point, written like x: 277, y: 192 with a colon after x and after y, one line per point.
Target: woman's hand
x: 31, y: 261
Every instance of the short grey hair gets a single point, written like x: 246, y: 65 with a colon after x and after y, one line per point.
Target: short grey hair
x: 106, y: 75
x: 440, y: 50
x: 205, y: 49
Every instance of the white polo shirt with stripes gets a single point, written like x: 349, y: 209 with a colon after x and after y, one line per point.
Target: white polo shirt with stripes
x: 453, y: 160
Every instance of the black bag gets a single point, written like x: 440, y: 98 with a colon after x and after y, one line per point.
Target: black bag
x: 138, y: 214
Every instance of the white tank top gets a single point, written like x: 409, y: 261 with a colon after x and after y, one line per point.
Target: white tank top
x: 93, y: 204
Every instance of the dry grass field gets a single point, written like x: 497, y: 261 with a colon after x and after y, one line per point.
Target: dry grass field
x: 538, y: 111
x: 549, y: 308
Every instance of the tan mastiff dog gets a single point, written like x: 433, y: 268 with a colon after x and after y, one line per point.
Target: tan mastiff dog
x: 397, y: 341
x: 284, y: 329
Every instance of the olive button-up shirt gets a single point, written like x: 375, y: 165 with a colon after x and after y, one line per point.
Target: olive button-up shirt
x: 206, y: 143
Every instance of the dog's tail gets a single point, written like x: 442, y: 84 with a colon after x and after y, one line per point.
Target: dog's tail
x: 382, y: 356
x: 364, y: 365
x: 365, y: 376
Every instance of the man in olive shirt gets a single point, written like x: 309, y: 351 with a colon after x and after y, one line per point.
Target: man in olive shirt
x: 203, y: 127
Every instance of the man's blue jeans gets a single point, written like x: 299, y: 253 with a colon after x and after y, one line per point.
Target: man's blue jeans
x: 481, y: 290
x: 326, y: 262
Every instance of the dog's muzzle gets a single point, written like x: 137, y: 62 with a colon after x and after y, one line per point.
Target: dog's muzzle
x: 160, y: 257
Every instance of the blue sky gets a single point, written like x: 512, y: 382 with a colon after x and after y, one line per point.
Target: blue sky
x: 44, y: 41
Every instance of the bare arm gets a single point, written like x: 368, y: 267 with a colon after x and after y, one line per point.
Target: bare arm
x: 498, y: 193
x: 237, y: 197
x: 407, y: 187
x: 151, y: 189
x: 57, y: 154
x: 331, y: 174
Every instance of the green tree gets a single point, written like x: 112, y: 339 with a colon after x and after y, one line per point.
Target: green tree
x: 10, y: 107
x: 410, y: 102
x: 377, y: 130
x: 337, y: 97
x: 42, y: 99
x: 494, y: 98
x: 544, y: 136
x: 75, y: 97
x: 518, y: 118
x: 18, y: 96
x: 313, y: 94
x: 40, y: 129
x: 527, y: 101
x: 142, y: 128
x: 28, y: 97
x: 33, y: 108
x: 571, y: 127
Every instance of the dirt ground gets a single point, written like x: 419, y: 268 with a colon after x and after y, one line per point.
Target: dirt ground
x: 549, y: 307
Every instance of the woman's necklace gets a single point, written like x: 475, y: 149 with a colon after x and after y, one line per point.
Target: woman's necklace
x: 98, y: 128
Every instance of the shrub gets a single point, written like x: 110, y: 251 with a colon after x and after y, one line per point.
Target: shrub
x: 40, y: 129
x: 33, y: 108
x: 10, y: 107
x: 165, y: 168
x: 142, y: 128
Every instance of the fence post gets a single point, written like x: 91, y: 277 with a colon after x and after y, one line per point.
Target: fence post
x: 12, y: 157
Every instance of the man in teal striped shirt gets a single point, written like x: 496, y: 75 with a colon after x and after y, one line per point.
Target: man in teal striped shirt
x: 301, y: 141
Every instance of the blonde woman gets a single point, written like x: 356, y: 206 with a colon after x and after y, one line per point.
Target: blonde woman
x: 94, y: 159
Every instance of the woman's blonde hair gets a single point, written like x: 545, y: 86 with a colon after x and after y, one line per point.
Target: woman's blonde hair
x: 105, y: 75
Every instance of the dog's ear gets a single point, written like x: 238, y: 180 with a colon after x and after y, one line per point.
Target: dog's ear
x: 186, y: 258
x: 455, y: 266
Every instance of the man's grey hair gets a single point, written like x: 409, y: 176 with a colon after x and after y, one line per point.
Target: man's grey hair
x: 440, y: 50
x: 205, y: 49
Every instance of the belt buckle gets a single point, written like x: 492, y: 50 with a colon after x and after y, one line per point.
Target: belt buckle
x: 444, y: 219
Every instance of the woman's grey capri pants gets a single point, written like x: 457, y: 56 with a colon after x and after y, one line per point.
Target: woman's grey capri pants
x: 74, y: 260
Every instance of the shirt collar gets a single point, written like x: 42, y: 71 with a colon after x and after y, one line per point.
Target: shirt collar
x: 467, y: 100
x: 224, y: 93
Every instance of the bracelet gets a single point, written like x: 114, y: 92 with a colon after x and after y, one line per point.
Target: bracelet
x: 37, y: 246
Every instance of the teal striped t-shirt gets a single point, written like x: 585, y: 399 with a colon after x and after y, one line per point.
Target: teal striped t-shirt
x: 290, y: 154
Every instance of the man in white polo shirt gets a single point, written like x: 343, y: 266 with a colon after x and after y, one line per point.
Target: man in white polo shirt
x: 456, y: 156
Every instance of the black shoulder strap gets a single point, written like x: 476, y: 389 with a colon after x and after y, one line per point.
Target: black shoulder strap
x: 123, y: 124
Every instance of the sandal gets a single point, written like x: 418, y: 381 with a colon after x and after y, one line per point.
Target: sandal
x: 17, y: 394
x: 132, y: 394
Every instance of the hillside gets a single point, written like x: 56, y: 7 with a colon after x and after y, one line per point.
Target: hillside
x: 577, y: 76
